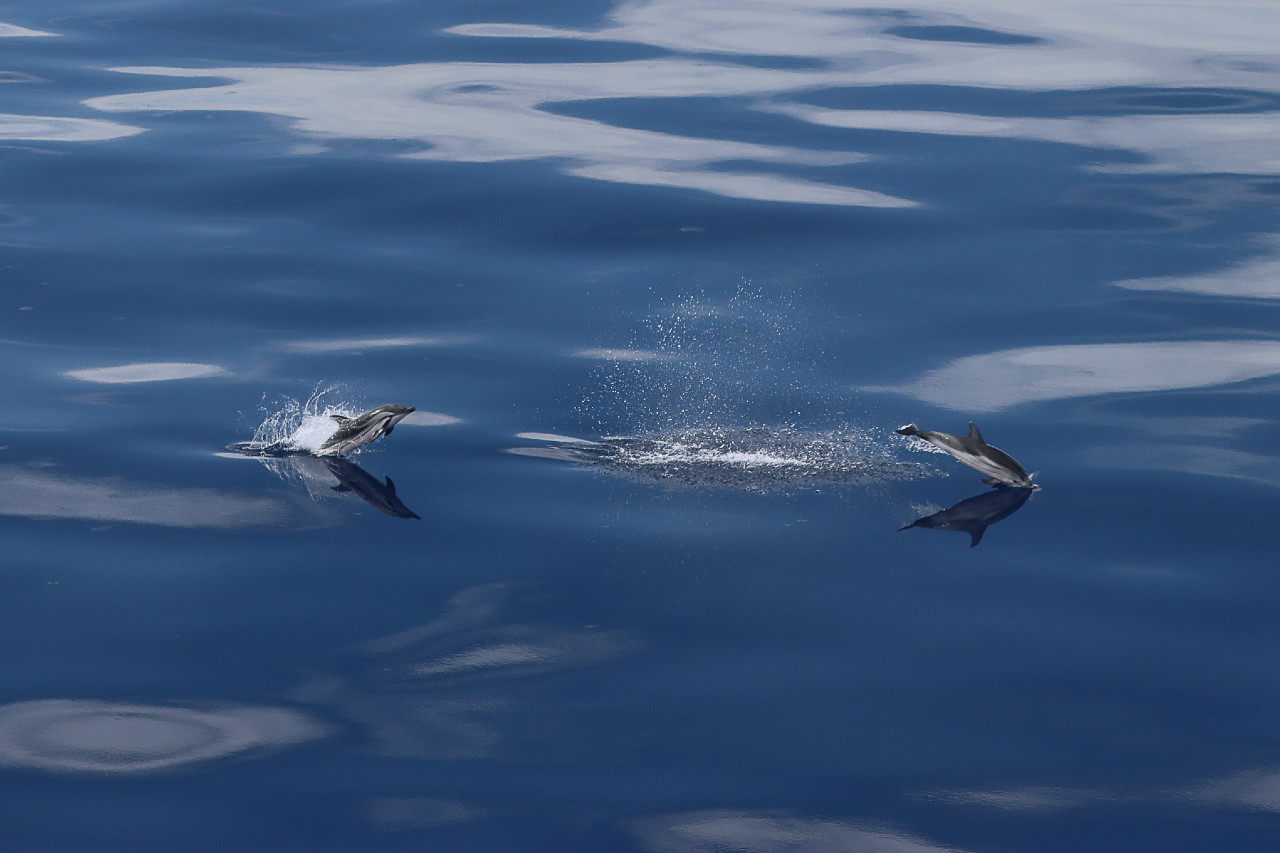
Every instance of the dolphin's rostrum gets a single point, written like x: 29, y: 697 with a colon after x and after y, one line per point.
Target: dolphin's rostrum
x: 1000, y: 467
x: 362, y: 429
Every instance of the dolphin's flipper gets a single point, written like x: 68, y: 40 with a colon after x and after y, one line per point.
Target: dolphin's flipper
x: 975, y: 536
x: 992, y: 481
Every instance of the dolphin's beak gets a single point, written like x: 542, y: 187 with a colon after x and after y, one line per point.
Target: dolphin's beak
x: 397, y: 418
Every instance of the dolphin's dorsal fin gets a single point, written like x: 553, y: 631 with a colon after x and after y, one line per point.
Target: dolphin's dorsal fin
x: 973, y: 432
x: 391, y: 487
x: 341, y: 419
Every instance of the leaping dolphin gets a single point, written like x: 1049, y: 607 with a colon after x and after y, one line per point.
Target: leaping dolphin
x: 976, y: 453
x: 362, y: 429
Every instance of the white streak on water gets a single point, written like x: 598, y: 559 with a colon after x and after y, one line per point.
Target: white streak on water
x: 428, y: 419
x: 995, y: 381
x: 1258, y: 278
x: 547, y: 436
x: 60, y: 129
x: 147, y: 372
x: 768, y: 831
x: 327, y: 345
x: 621, y: 354
x: 15, y: 31
x: 30, y: 493
x: 112, y: 738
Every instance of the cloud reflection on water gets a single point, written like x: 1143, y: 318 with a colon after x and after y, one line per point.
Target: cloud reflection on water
x: 486, y: 112
x: 491, y: 112
x: 995, y: 381
x: 729, y: 831
x: 31, y: 493
x: 1258, y: 278
x: 499, y: 111
x: 85, y: 736
x: 15, y: 31
x: 30, y: 128
x: 124, y: 374
x: 1222, y: 462
x: 466, y: 686
x: 61, y: 129
x: 1254, y: 790
x: 1053, y: 45
x: 319, y: 346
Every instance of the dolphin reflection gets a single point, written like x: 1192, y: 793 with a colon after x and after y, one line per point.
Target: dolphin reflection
x: 323, y: 476
x: 974, y: 515
x: 381, y: 496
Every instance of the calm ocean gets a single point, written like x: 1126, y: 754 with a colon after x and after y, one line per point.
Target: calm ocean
x: 648, y: 568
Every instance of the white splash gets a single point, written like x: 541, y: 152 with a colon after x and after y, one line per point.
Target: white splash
x: 304, y: 426
x: 754, y: 460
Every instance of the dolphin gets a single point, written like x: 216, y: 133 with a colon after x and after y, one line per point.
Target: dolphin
x: 362, y: 429
x: 352, y: 478
x: 976, y: 453
x: 974, y: 515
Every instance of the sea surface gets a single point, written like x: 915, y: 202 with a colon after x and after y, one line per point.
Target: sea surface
x: 648, y: 568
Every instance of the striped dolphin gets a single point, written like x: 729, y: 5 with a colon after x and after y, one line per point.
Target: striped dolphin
x: 362, y: 429
x: 970, y: 449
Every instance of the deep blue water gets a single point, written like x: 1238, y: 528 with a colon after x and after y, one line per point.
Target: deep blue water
x: 661, y: 279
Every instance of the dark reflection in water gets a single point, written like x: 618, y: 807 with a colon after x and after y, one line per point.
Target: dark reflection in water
x: 974, y: 515
x: 469, y: 684
x: 964, y: 35
x: 324, y: 476
x: 986, y: 101
x: 354, y: 479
